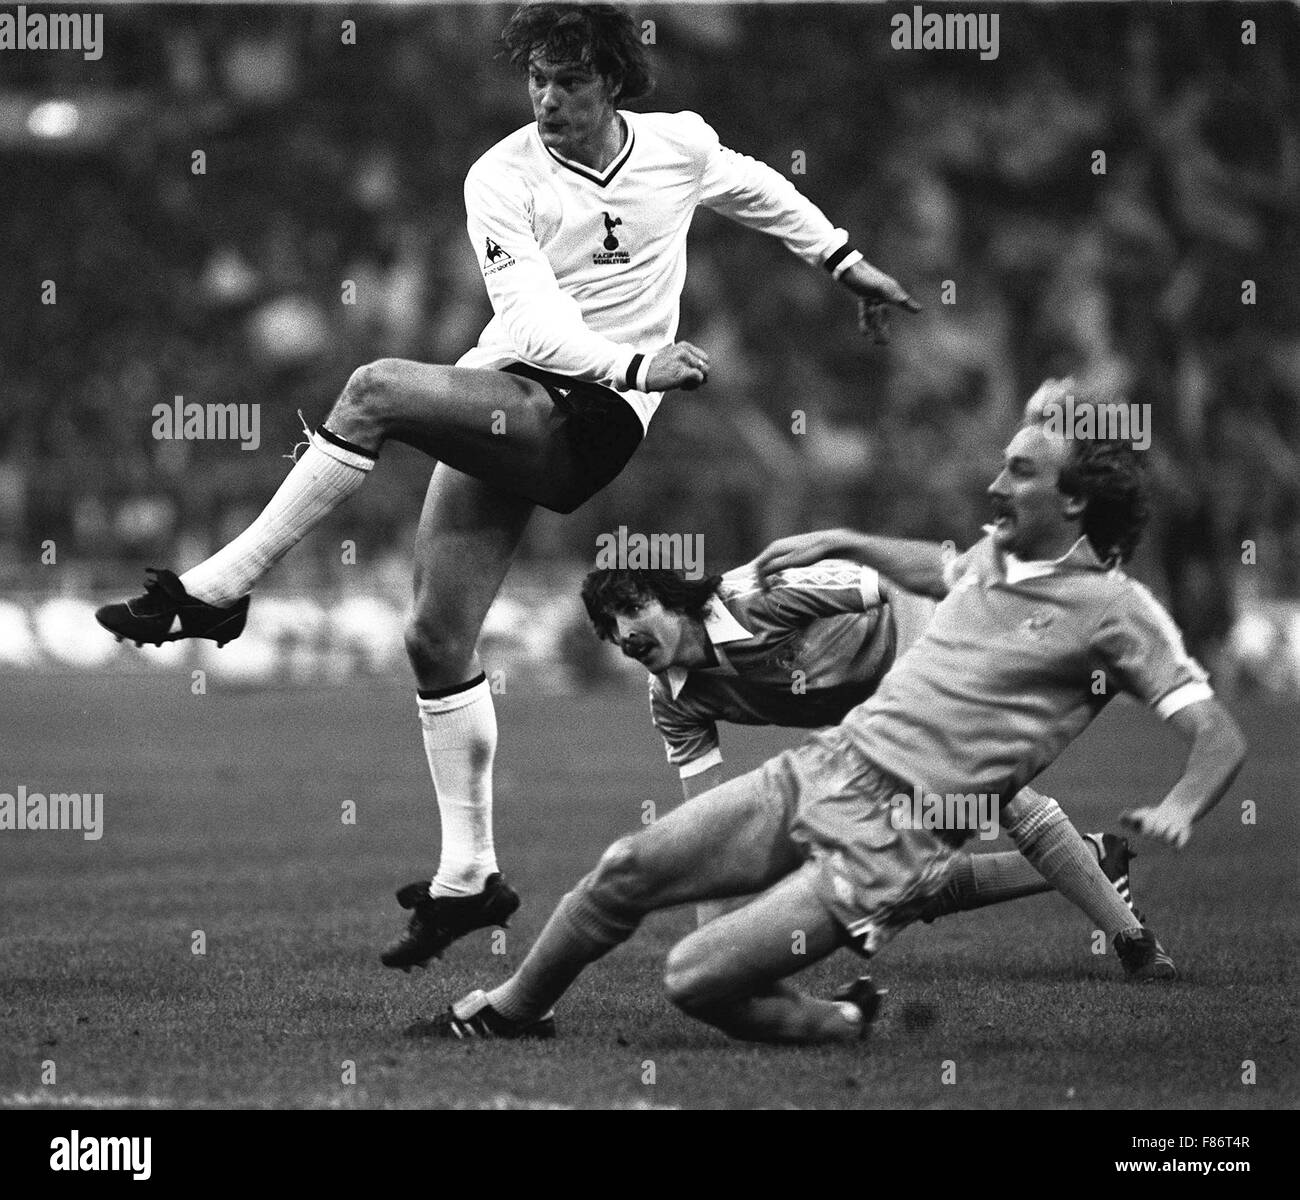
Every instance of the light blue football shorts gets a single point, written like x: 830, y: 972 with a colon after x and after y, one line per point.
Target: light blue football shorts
x: 873, y: 878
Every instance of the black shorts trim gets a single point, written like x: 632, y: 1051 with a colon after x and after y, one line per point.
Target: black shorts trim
x: 598, y: 433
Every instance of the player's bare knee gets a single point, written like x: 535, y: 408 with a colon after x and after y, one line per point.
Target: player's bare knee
x: 621, y: 879
x: 436, y: 648
x: 364, y: 409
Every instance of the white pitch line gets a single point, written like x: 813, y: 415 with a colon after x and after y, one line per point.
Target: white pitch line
x: 501, y: 1102
x: 51, y: 1099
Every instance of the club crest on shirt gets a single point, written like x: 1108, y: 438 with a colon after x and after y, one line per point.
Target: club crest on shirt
x: 497, y: 258
x: 1037, y: 621
x: 609, y: 253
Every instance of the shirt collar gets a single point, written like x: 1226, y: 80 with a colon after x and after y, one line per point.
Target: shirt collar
x: 600, y: 178
x: 1080, y: 556
x: 721, y: 628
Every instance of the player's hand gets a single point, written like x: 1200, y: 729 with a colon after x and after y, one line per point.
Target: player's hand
x: 800, y: 550
x: 876, y: 291
x: 1159, y: 822
x: 680, y: 365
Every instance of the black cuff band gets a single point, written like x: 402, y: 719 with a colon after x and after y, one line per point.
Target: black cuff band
x: 632, y: 368
x: 443, y: 693
x: 344, y: 444
x: 838, y: 257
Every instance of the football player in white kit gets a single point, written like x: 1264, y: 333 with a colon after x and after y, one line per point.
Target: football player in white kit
x: 579, y: 222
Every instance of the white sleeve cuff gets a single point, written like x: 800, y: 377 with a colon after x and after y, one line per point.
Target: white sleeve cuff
x: 697, y: 766
x: 872, y: 594
x: 621, y: 363
x: 852, y: 257
x: 1181, y: 697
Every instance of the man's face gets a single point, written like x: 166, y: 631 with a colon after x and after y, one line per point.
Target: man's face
x: 656, y: 637
x: 571, y: 102
x: 1032, y: 519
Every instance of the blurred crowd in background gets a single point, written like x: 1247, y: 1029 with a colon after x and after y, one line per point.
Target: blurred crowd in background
x: 326, y: 161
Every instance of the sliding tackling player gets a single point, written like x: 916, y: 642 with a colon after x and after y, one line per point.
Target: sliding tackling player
x: 1000, y: 682
x: 579, y: 223
x: 801, y: 649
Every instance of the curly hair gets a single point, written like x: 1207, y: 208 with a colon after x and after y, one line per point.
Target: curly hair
x: 1108, y: 476
x: 609, y: 592
x: 598, y: 35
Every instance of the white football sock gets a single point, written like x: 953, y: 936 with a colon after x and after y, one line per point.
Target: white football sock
x: 460, y: 740
x: 1046, y: 838
x: 320, y: 481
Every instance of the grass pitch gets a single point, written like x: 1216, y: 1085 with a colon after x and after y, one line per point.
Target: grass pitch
x: 224, y: 816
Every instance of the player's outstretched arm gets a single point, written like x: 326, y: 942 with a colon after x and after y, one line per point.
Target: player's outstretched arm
x: 753, y: 194
x: 1216, y: 755
x: 916, y: 566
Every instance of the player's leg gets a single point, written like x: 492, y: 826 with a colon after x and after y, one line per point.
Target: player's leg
x: 496, y: 426
x: 467, y: 538
x: 868, y: 879
x: 711, y: 910
x: 978, y: 880
x: 730, y: 971
x: 732, y: 841
x: 1045, y: 836
x: 488, y: 424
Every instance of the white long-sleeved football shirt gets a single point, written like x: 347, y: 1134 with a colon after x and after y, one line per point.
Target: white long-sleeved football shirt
x: 585, y: 268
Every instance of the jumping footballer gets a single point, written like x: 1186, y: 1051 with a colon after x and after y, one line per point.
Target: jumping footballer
x: 579, y: 223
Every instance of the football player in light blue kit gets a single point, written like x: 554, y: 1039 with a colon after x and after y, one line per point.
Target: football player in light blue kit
x: 1002, y: 680
x: 800, y: 649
